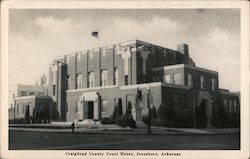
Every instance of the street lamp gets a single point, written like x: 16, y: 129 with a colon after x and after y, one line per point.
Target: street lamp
x: 149, y: 116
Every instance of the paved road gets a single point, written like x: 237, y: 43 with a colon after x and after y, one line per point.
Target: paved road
x: 81, y: 141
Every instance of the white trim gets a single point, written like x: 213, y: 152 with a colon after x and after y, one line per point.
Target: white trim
x: 91, y: 89
x: 154, y: 84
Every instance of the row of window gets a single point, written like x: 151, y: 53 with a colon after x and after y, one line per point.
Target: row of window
x: 177, y: 80
x: 230, y: 106
x: 91, y: 79
x: 26, y: 93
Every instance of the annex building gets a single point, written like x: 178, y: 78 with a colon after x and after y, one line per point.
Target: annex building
x: 88, y: 84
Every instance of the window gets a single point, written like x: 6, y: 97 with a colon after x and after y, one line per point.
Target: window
x: 104, y: 106
x: 17, y: 109
x: 32, y: 93
x: 23, y: 93
x: 79, y: 81
x: 104, y: 78
x: 202, y: 82
x: 190, y: 80
x: 225, y: 105
x: 91, y: 77
x: 23, y: 108
x: 230, y: 106
x: 115, y: 76
x: 213, y: 84
x: 166, y: 79
x: 126, y: 80
x: 77, y: 107
x: 54, y: 90
x: 14, y: 95
x: 235, y: 107
x: 67, y: 83
x: 177, y: 78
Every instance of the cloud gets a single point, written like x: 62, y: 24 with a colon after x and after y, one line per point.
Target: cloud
x: 48, y: 37
x: 219, y: 50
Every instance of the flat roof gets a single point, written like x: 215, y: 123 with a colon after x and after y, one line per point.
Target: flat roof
x: 184, y: 66
x: 128, y: 42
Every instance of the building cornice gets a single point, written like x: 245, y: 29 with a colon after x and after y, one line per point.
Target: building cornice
x: 91, y: 89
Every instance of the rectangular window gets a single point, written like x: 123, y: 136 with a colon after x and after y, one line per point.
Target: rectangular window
x: 126, y: 80
x: 230, y: 106
x: 54, y: 90
x: 104, y: 78
x: 235, y: 107
x: 79, y: 81
x: 213, y: 84
x: 115, y: 76
x: 17, y: 109
x: 225, y: 105
x: 166, y: 79
x: 32, y: 93
x: 23, y: 93
x: 202, y: 82
x: 77, y: 107
x: 104, y: 108
x: 23, y: 108
x: 177, y: 78
x: 91, y: 77
x: 190, y: 80
x: 67, y: 82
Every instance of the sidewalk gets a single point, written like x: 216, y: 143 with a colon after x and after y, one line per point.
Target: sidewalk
x: 114, y: 129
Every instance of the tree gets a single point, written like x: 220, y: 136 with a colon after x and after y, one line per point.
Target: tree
x: 129, y: 108
x: 119, y: 109
x: 27, y: 114
x: 153, y: 112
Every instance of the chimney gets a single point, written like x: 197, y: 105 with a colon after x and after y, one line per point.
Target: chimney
x: 183, y: 48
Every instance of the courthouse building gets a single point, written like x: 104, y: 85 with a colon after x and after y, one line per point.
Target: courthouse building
x: 87, y: 84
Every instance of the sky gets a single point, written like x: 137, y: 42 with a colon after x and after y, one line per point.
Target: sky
x: 38, y: 36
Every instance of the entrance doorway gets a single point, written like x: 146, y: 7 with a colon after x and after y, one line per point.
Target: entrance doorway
x: 89, y: 110
x: 201, y: 114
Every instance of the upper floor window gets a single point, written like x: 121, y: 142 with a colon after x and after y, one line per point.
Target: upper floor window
x: 235, y: 107
x: 67, y: 82
x: 91, y: 79
x: 126, y: 80
x: 115, y: 76
x: 190, y: 80
x: 166, y: 79
x: 225, y: 105
x: 104, y: 77
x: 202, y: 82
x: 54, y: 90
x: 79, y: 81
x: 23, y: 93
x: 177, y: 78
x: 213, y: 84
x: 230, y: 106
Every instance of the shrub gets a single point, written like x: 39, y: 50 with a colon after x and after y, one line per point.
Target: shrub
x: 145, y: 119
x: 129, y: 108
x: 107, y: 121
x: 126, y: 121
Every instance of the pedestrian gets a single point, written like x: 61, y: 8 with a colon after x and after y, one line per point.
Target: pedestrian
x: 73, y: 127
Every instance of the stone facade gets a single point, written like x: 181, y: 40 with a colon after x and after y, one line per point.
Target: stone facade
x: 87, y: 84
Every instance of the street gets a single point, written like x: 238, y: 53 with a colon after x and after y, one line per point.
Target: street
x: 24, y: 140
